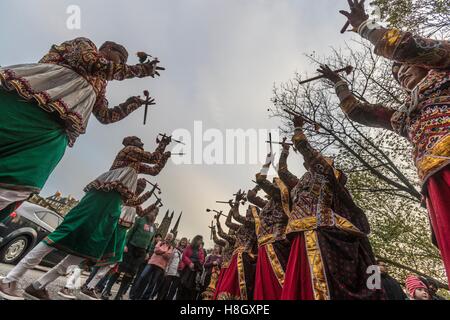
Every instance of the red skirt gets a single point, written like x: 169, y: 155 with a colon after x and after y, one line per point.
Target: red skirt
x: 219, y: 281
x: 438, y: 205
x: 228, y: 288
x: 297, y: 283
x: 267, y: 286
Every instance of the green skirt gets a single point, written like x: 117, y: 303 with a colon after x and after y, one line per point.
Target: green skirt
x: 88, y: 228
x: 114, y: 249
x: 32, y: 142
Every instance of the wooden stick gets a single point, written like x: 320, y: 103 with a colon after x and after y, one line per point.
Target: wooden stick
x: 344, y: 28
x: 174, y: 140
x: 147, y: 102
x: 270, y: 142
x: 153, y: 185
x: 288, y: 143
x: 347, y: 69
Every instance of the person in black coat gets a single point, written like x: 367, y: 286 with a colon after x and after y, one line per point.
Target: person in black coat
x: 391, y: 287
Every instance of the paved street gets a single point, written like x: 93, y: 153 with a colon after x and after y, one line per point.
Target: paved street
x: 53, y: 288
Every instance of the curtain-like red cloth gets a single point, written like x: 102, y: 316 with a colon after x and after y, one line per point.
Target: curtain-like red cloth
x: 297, y: 283
x: 267, y: 286
x: 438, y: 205
x: 229, y: 283
x: 219, y: 281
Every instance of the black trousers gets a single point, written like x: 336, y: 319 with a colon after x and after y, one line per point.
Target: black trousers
x: 169, y: 288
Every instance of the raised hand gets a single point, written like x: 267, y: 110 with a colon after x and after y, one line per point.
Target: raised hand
x: 284, y: 144
x: 357, y: 14
x: 140, y: 102
x: 329, y: 74
x: 239, y: 196
x: 153, y: 68
x: 299, y: 121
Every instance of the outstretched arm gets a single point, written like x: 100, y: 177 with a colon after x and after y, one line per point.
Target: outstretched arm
x: 156, y: 169
x: 82, y: 55
x: 252, y: 197
x: 229, y: 223
x: 397, y: 45
x: 267, y: 186
x: 372, y: 115
x: 312, y: 157
x: 107, y: 115
x: 216, y: 240
x: 229, y: 238
x: 143, y: 212
x: 285, y: 175
x: 137, y: 201
x: 236, y: 215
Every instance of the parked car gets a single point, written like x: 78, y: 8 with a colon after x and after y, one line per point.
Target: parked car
x: 25, y: 228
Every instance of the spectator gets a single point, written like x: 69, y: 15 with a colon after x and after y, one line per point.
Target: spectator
x: 417, y: 290
x: 432, y: 288
x: 172, y: 279
x: 157, y: 238
x: 392, y: 288
x: 149, y: 282
x: 191, y: 265
x: 214, y: 260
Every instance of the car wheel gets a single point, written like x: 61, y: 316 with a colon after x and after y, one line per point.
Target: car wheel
x: 13, y: 251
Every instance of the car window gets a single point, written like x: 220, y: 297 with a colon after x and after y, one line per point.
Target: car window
x: 49, y: 218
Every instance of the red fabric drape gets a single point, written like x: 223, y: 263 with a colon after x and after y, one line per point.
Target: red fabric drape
x: 438, y: 205
x: 297, y: 283
x: 267, y: 286
x: 229, y: 282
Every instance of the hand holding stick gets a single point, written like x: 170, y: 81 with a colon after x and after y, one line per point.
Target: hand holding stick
x: 148, y: 102
x: 154, y: 185
x: 171, y: 139
x: 218, y: 213
x: 347, y: 69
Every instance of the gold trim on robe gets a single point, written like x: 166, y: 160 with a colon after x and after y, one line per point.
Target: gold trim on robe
x: 285, y: 196
x: 309, y: 227
x: 241, y: 276
x: 275, y: 263
x: 318, y: 276
x: 436, y: 159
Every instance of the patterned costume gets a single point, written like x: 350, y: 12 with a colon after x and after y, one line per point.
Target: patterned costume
x: 96, y: 216
x: 330, y: 251
x: 237, y: 282
x: 227, y: 242
x: 273, y: 247
x: 424, y: 118
x: 45, y: 106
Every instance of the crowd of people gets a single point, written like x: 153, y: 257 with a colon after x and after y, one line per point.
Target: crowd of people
x: 305, y: 238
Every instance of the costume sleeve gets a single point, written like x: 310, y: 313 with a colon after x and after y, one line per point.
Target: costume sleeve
x: 267, y: 186
x: 82, y: 55
x: 405, y: 47
x: 156, y: 169
x: 230, y: 239
x: 216, y: 240
x: 317, y: 163
x: 236, y: 215
x: 372, y: 115
x: 257, y: 201
x: 137, y: 201
x: 285, y: 175
x: 107, y: 115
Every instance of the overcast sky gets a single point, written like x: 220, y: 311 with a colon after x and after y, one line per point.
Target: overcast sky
x: 222, y: 58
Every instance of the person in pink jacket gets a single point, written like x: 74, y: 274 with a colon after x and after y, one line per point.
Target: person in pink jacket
x: 150, y: 279
x: 190, y: 266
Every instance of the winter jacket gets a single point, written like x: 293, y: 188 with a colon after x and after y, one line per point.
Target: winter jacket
x: 162, y: 254
x: 172, y: 266
x: 187, y: 255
